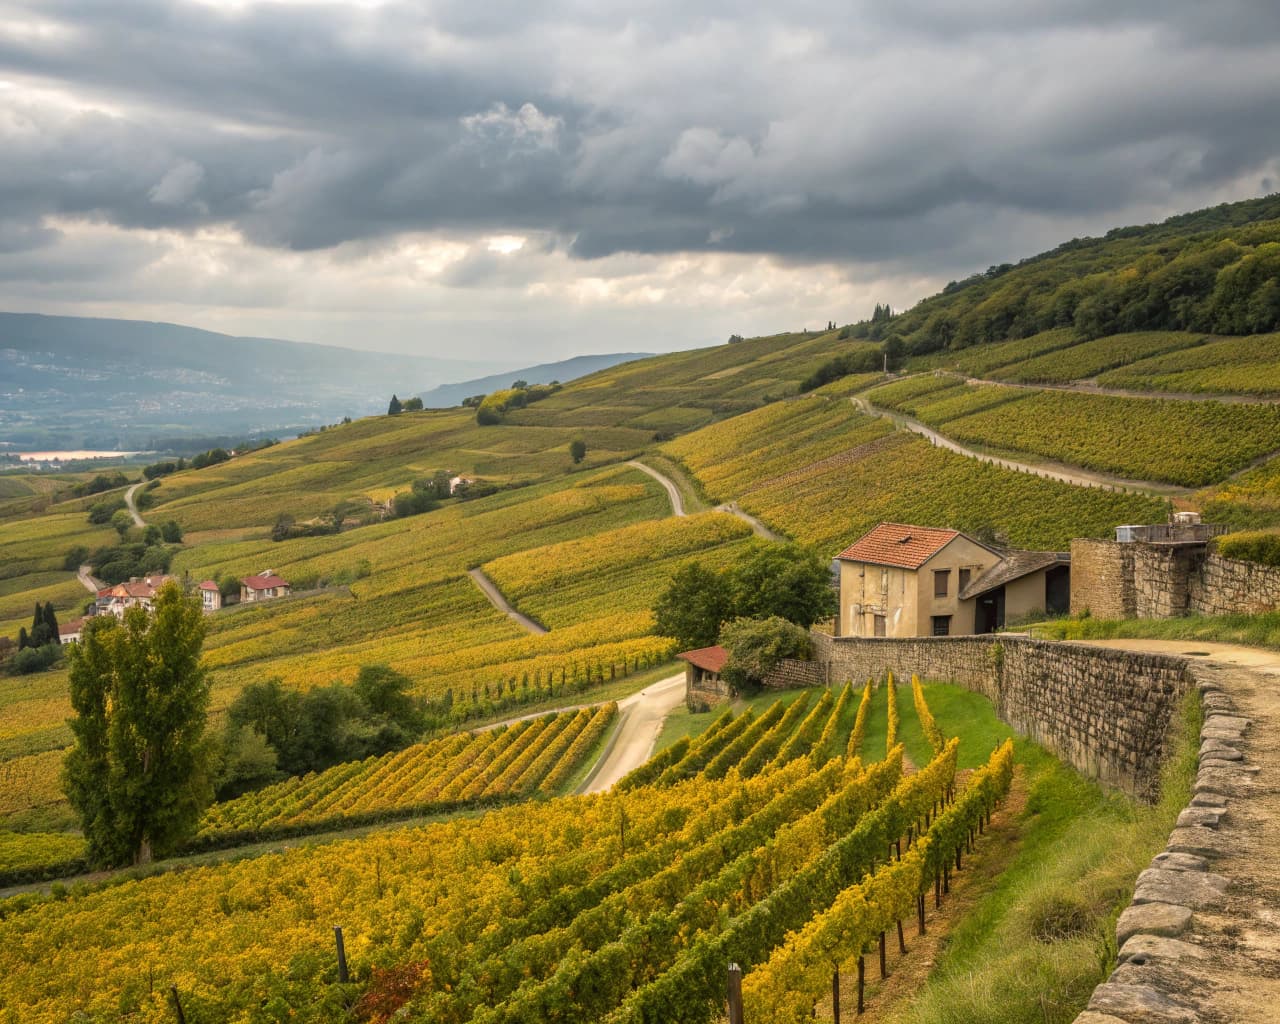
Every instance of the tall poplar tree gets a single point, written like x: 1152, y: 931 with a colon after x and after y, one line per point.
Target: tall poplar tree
x: 139, y: 774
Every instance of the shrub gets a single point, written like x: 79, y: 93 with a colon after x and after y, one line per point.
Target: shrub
x: 1259, y: 546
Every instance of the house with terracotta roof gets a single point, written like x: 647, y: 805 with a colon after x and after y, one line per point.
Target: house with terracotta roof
x: 210, y: 596
x: 263, y: 587
x: 702, y: 670
x: 900, y: 580
x: 137, y: 593
x: 69, y: 632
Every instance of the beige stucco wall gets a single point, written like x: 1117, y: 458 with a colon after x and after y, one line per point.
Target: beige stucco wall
x: 961, y: 553
x: 905, y: 596
x: 1024, y: 596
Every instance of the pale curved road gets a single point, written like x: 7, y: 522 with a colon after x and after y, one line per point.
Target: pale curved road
x: 491, y: 591
x: 1051, y: 471
x: 673, y: 492
x: 640, y: 719
x: 133, y: 509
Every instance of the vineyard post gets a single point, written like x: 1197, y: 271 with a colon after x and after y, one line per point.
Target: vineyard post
x: 735, y: 994
x: 884, y: 971
x: 862, y: 981
x: 902, y: 942
x: 920, y: 909
x: 177, y: 1004
x: 342, y: 955
x: 835, y: 995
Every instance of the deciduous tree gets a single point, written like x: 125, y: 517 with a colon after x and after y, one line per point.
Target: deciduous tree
x: 139, y: 774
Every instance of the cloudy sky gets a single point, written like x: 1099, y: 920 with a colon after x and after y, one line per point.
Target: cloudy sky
x: 511, y: 179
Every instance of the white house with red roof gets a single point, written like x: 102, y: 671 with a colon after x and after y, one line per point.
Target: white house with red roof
x: 138, y: 592
x: 900, y: 580
x: 263, y: 587
x: 69, y: 632
x: 210, y: 596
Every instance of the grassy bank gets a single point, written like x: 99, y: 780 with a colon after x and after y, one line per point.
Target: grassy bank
x: 1034, y: 946
x: 1253, y: 630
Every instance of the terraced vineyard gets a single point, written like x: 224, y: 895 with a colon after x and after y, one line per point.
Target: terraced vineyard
x: 766, y: 846
x: 1245, y: 366
x: 827, y: 499
x: 1188, y: 443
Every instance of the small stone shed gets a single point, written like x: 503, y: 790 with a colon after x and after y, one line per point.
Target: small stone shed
x: 702, y: 672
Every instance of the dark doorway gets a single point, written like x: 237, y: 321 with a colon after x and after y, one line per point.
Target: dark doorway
x: 1057, y: 590
x: 988, y: 613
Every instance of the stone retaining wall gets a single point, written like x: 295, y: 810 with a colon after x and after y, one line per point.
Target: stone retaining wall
x: 1104, y: 712
x: 1110, y: 580
x: 1174, y: 920
x: 790, y: 672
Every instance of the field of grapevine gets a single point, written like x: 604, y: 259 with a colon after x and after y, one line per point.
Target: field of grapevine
x: 1188, y: 443
x: 1091, y: 358
x: 828, y: 500
x: 1243, y: 366
x: 981, y: 360
x: 759, y: 842
x: 534, y: 757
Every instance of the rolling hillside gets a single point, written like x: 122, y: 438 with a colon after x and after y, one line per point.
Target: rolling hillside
x: 583, y: 548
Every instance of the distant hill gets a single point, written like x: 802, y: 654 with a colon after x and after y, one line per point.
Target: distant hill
x: 68, y: 381
x: 445, y: 396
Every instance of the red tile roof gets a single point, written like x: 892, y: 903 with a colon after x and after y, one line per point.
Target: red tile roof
x: 264, y: 581
x: 74, y: 626
x: 143, y: 588
x: 897, y: 544
x: 208, y: 585
x: 709, y: 659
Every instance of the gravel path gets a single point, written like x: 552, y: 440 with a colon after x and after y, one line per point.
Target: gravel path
x: 133, y: 509
x: 640, y: 719
x: 1225, y: 967
x: 673, y: 492
x: 87, y: 580
x: 491, y: 591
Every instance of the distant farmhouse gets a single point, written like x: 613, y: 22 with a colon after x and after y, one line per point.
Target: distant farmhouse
x: 210, y: 597
x: 137, y: 593
x: 263, y: 587
x: 902, y: 581
x: 69, y: 632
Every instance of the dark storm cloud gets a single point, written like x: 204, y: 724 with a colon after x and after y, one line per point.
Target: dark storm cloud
x: 916, y: 134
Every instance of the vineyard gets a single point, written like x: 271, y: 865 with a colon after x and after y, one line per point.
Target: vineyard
x: 1244, y: 366
x: 827, y: 499
x: 1188, y: 443
x: 534, y: 757
x: 1091, y: 358
x: 761, y: 841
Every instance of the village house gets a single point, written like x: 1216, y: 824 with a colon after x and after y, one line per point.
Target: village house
x: 136, y: 593
x: 210, y: 597
x: 900, y: 580
x: 69, y: 632
x: 263, y: 587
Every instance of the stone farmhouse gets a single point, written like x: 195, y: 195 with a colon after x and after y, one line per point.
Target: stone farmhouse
x: 263, y: 587
x: 702, y: 671
x: 123, y: 596
x: 900, y: 580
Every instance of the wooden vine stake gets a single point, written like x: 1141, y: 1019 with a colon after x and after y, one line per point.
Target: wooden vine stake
x: 862, y: 981
x: 835, y: 995
x: 735, y: 994
x: 177, y: 1004
x: 343, y: 978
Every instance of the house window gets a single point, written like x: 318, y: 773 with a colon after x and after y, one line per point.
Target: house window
x: 941, y: 580
x: 942, y: 625
x: 964, y: 579
x: 878, y: 625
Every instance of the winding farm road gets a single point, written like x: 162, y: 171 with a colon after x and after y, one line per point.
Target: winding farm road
x: 87, y: 580
x: 1049, y: 470
x: 491, y: 591
x: 640, y: 719
x: 673, y: 492
x: 133, y: 508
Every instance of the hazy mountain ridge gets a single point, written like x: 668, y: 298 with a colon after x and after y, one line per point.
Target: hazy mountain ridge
x: 448, y: 395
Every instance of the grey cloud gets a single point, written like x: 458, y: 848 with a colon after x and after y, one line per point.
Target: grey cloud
x: 896, y: 135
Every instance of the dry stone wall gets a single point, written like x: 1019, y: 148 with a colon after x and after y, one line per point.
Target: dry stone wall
x: 1105, y: 712
x: 1110, y: 580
